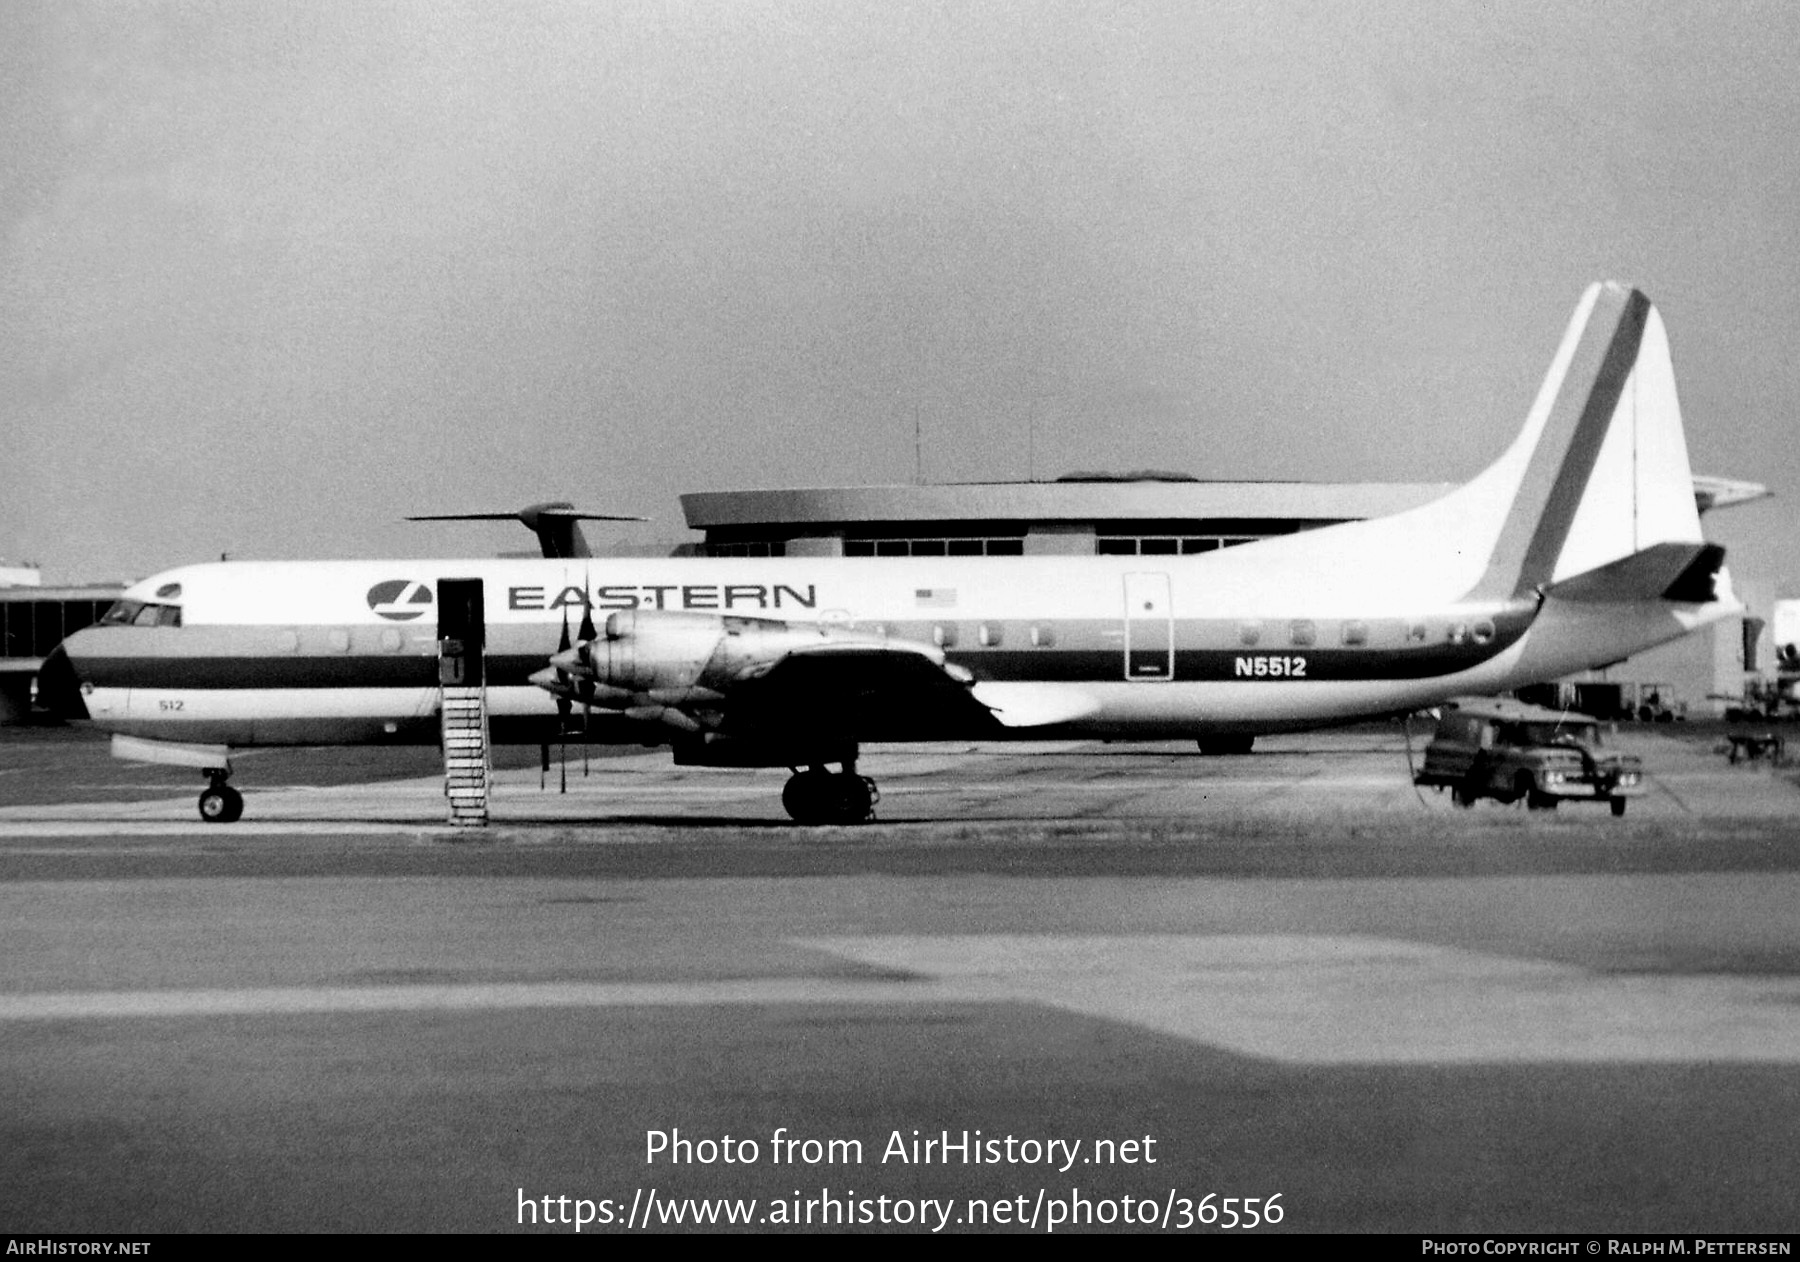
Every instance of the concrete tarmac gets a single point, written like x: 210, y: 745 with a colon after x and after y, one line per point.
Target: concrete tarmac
x: 1108, y: 980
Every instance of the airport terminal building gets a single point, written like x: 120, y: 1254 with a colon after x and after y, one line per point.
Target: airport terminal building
x: 34, y: 619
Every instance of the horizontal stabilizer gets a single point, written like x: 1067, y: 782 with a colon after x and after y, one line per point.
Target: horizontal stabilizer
x: 1665, y: 571
x: 553, y: 523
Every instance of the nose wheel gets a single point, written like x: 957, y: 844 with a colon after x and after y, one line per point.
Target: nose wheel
x: 220, y: 803
x: 818, y: 796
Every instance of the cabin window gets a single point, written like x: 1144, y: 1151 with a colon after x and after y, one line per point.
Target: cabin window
x: 1302, y: 631
x: 943, y: 635
x: 1249, y: 632
x: 1459, y: 633
x: 1043, y: 636
x: 1484, y: 631
x: 1416, y: 633
x: 990, y: 634
x: 1356, y: 633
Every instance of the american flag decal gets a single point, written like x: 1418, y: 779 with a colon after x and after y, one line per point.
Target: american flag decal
x: 934, y: 597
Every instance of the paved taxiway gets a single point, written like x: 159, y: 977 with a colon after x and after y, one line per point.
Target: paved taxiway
x: 1289, y: 970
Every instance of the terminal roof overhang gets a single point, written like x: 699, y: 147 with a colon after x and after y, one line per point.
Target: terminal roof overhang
x: 1086, y: 502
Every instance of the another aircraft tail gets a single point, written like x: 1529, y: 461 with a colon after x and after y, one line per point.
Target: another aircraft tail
x: 1602, y: 499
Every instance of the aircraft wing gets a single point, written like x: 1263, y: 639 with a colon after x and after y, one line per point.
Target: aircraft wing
x: 766, y: 686
x: 878, y: 692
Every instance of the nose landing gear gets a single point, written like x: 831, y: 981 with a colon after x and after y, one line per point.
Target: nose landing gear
x: 818, y: 796
x: 220, y: 803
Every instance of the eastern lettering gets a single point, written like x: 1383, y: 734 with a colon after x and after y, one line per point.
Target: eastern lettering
x: 663, y: 596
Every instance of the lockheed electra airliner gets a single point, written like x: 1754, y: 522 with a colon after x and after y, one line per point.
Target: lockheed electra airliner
x: 1578, y: 547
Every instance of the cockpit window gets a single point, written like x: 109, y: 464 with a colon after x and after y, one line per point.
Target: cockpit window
x: 137, y: 613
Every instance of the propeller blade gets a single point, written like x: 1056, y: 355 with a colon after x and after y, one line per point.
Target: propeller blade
x: 564, y: 707
x: 587, y: 611
x: 587, y: 636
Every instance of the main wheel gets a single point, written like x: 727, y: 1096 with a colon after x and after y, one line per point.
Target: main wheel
x: 1618, y: 806
x: 819, y: 797
x: 807, y: 797
x: 1463, y: 797
x: 221, y: 804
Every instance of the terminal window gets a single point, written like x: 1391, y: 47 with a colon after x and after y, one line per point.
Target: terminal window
x: 755, y: 548
x: 32, y: 628
x: 1166, y: 545
x: 934, y: 547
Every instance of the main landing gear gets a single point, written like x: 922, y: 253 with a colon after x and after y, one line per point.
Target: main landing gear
x: 220, y: 803
x: 818, y: 796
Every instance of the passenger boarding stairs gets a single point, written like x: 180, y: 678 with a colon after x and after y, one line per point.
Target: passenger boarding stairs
x: 467, y: 766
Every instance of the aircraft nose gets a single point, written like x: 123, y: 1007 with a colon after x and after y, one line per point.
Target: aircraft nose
x: 58, y: 686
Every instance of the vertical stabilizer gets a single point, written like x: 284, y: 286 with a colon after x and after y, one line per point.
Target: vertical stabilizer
x: 1605, y: 470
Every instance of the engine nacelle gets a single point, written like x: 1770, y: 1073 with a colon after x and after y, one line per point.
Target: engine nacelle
x: 669, y: 655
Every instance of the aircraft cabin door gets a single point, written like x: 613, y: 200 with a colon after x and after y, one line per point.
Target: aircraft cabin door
x: 1149, y: 628
x: 462, y: 632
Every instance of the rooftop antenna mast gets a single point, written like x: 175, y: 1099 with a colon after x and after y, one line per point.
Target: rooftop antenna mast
x: 1031, y: 441
x: 918, y: 451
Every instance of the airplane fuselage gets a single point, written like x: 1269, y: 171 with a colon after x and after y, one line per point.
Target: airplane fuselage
x: 346, y: 652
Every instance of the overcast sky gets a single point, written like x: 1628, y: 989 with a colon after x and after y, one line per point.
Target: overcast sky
x: 276, y: 275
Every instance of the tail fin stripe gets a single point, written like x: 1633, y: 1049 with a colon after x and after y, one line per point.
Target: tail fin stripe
x: 1556, y: 477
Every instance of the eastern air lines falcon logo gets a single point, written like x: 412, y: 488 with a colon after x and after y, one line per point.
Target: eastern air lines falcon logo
x: 399, y: 599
